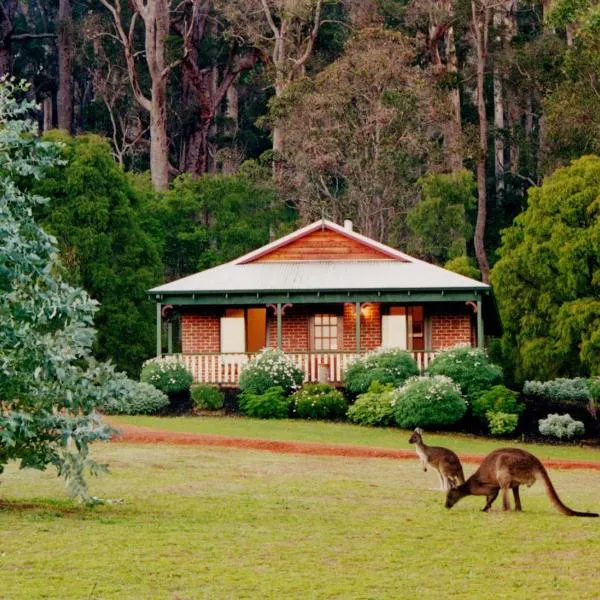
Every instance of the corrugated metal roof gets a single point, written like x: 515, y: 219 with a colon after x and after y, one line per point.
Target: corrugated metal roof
x: 378, y: 275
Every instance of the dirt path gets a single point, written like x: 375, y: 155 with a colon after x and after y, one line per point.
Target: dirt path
x: 147, y: 435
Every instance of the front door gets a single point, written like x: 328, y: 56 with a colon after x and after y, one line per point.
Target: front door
x: 256, y: 330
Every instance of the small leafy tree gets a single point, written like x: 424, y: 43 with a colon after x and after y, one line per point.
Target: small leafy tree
x: 49, y: 383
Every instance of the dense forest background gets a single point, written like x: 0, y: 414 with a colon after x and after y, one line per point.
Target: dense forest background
x: 195, y: 130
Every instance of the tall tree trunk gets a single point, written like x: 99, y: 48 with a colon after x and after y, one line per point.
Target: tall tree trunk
x: 65, y: 66
x: 230, y: 162
x: 480, y: 25
x: 499, y: 132
x: 8, y: 11
x: 455, y: 143
x: 47, y: 116
x: 159, y: 140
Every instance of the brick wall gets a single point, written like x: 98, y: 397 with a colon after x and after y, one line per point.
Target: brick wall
x: 449, y: 329
x: 200, y: 332
x: 370, y: 327
x: 294, y: 329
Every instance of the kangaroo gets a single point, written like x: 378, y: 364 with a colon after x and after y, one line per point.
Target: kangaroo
x: 505, y: 469
x: 444, y: 461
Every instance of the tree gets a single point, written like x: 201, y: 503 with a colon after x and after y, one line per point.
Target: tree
x: 64, y: 100
x: 440, y: 220
x: 94, y: 212
x: 361, y: 133
x: 49, y: 383
x: 547, y: 280
x: 156, y: 19
x: 211, y: 220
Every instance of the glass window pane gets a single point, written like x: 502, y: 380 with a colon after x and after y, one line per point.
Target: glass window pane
x: 325, y: 344
x: 334, y: 344
x: 318, y: 344
x: 318, y: 319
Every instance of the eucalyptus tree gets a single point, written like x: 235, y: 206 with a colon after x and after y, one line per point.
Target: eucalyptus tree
x: 49, y: 383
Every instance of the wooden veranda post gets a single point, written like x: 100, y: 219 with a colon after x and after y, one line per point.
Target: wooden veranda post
x: 358, y: 328
x: 479, y: 324
x: 158, y: 330
x: 279, y: 328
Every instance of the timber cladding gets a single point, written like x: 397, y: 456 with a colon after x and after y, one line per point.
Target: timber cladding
x: 324, y: 245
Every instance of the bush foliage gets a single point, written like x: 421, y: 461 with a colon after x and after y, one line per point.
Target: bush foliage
x: 430, y: 401
x: 135, y: 398
x: 386, y: 366
x: 561, y: 427
x: 270, y: 368
x: 470, y: 368
x: 207, y: 397
x: 497, y: 399
x: 272, y: 404
x: 374, y: 407
x: 167, y: 375
x: 501, y: 423
x: 319, y: 401
x: 561, y: 390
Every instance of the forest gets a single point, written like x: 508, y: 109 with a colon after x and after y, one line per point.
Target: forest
x: 191, y: 131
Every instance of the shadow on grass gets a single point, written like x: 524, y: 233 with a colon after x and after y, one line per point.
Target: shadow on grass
x: 49, y: 509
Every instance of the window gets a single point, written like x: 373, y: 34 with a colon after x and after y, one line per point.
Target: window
x: 326, y: 332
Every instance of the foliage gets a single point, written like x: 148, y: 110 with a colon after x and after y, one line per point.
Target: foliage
x: 501, y: 423
x: 206, y: 221
x: 49, y: 382
x: 470, y: 368
x: 561, y: 427
x: 319, y: 401
x: 439, y: 221
x: 166, y: 374
x: 497, y: 399
x: 133, y: 398
x: 463, y: 265
x: 547, y: 278
x: 430, y: 401
x: 344, y: 157
x: 207, y: 397
x: 94, y: 212
x: 562, y: 390
x: 272, y: 404
x: 270, y: 368
x: 374, y: 407
x: 594, y: 389
x: 386, y: 366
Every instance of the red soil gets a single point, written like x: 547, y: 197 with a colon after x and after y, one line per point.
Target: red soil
x: 146, y: 435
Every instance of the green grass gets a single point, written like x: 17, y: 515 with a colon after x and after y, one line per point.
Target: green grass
x: 205, y: 523
x: 344, y: 433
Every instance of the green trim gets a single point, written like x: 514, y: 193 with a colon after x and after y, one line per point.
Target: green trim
x: 357, y: 310
x: 170, y: 337
x: 232, y: 299
x: 479, y: 324
x: 279, y: 327
x: 158, y: 330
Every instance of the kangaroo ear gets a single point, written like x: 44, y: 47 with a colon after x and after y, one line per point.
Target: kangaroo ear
x: 419, y: 431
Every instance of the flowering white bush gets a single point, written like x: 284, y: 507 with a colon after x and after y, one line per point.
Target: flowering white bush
x: 428, y: 401
x: 469, y: 367
x: 561, y: 427
x: 575, y: 390
x: 386, y: 366
x: 270, y: 368
x: 166, y: 374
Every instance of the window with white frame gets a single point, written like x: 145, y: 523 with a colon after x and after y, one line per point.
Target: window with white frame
x: 326, y: 330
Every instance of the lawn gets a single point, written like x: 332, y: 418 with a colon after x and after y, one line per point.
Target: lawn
x: 206, y: 523
x: 345, y: 433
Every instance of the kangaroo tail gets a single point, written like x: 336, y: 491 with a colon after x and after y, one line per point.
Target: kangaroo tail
x: 565, y: 510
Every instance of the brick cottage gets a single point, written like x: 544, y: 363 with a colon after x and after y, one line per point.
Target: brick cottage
x: 324, y: 295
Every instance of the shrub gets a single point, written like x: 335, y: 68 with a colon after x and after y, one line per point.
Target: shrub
x: 207, y: 397
x: 594, y: 389
x: 270, y: 368
x: 385, y: 366
x: 133, y: 398
x: 428, y: 402
x: 273, y: 404
x: 561, y: 427
x: 374, y: 407
x: 469, y: 368
x: 498, y: 400
x: 166, y: 374
x: 501, y: 423
x: 319, y: 401
x: 560, y: 390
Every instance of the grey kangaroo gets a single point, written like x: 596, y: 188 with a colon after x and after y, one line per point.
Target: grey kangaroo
x: 444, y: 461
x: 506, y: 469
